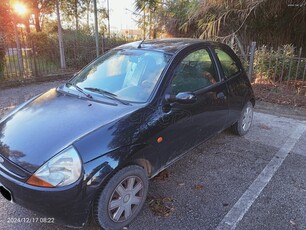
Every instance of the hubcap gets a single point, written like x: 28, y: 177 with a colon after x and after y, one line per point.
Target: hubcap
x: 126, y: 199
x: 247, y: 118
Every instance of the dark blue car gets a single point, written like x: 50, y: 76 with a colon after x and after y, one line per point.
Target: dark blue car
x: 89, y: 147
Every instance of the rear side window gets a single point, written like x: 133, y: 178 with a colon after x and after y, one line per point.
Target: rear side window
x: 194, y: 72
x: 228, y: 64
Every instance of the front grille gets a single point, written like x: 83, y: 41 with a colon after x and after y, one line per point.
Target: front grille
x: 11, y: 169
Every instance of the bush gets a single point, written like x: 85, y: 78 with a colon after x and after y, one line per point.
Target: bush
x: 279, y: 65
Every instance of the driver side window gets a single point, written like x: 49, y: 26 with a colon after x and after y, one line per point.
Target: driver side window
x: 194, y: 72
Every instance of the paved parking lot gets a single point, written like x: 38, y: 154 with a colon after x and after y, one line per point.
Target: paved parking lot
x: 252, y: 182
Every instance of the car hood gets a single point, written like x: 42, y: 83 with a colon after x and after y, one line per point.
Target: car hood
x: 44, y: 126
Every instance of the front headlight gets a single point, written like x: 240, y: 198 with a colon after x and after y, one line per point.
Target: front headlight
x: 61, y: 170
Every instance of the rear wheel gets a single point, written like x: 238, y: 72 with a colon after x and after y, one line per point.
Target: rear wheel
x: 122, y: 198
x: 243, y: 125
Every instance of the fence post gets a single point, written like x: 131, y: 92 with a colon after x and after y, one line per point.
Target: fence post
x: 276, y: 65
x: 298, y: 64
x: 290, y: 66
x: 253, y: 46
x: 34, y: 59
x: 270, y: 61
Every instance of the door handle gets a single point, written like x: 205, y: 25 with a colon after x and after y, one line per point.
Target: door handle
x: 221, y: 95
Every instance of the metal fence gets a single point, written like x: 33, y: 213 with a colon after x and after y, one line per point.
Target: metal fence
x: 25, y: 63
x: 29, y: 57
x: 284, y: 64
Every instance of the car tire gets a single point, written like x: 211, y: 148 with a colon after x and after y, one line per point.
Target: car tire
x: 243, y: 125
x: 122, y: 198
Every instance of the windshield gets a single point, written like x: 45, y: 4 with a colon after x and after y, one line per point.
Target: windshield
x: 129, y: 75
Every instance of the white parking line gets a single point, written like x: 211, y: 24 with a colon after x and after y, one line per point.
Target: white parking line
x: 238, y: 211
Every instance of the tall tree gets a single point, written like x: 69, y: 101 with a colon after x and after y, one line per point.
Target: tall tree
x: 5, y: 18
x: 72, y: 9
x: 272, y: 22
x: 174, y: 16
x: 5, y: 27
x: 148, y: 9
x: 38, y: 9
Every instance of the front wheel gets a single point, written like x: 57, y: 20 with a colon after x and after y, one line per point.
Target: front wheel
x: 242, y: 126
x: 122, y: 198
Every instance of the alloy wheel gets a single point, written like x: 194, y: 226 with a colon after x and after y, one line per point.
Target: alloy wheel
x: 126, y: 198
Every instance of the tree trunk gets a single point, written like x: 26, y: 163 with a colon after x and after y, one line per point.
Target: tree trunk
x: 96, y: 27
x: 60, y: 36
x: 2, y: 54
x: 144, y: 22
x: 76, y: 28
x: 76, y: 16
x: 36, y: 17
x: 27, y: 26
x: 108, y: 19
x: 87, y: 13
x: 150, y: 24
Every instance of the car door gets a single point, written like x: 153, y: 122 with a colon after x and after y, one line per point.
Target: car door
x: 237, y: 82
x: 188, y: 123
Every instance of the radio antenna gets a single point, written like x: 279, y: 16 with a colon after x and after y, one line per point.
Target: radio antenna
x: 139, y: 46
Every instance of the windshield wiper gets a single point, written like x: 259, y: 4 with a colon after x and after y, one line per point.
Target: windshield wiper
x: 107, y: 94
x: 79, y: 89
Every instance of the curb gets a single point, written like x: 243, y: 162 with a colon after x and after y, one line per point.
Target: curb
x: 281, y: 110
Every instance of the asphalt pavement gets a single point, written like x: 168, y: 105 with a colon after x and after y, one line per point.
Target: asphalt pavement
x: 253, y: 182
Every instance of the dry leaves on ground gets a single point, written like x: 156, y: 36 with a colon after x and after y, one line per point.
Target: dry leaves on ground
x: 293, y: 94
x: 199, y: 187
x: 162, y: 176
x: 263, y: 126
x: 162, y: 207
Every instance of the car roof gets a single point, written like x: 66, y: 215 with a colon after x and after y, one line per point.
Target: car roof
x: 170, y: 45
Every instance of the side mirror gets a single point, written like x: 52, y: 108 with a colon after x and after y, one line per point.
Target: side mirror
x: 182, y: 98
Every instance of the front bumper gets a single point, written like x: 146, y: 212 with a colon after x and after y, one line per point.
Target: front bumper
x: 68, y: 205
